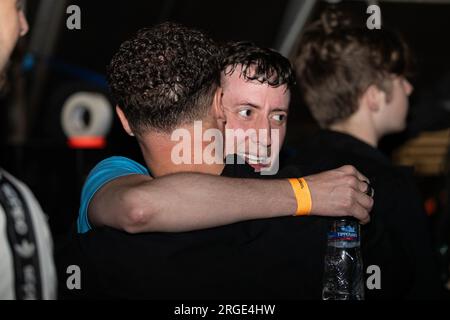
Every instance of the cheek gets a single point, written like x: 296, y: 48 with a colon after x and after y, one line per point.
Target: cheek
x: 234, y: 123
x: 233, y: 133
x: 398, y: 111
x: 281, y: 136
x: 403, y: 103
x: 9, y: 34
x: 231, y: 123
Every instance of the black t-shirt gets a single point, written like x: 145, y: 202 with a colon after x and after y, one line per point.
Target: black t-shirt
x: 279, y: 258
x: 398, y: 237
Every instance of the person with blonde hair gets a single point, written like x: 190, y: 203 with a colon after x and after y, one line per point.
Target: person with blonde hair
x: 355, y: 83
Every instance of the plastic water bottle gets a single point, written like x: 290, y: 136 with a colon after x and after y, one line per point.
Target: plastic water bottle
x: 343, y: 276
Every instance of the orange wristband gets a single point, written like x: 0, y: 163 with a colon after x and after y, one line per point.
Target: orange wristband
x: 303, y: 196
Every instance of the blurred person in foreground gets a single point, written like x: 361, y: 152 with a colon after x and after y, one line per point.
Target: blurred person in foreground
x: 26, y: 256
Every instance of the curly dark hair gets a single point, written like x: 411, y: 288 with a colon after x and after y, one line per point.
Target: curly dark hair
x: 261, y: 64
x: 338, y: 60
x: 164, y: 77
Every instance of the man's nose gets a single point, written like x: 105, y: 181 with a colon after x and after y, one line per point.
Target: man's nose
x: 24, y: 27
x: 263, y: 135
x: 408, y: 87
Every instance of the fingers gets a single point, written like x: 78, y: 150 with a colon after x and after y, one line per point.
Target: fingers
x: 357, y: 205
x: 361, y: 199
x: 352, y: 171
x: 364, y: 187
x: 340, y: 192
x: 356, y: 184
x: 357, y: 180
x: 369, y: 190
x: 361, y: 214
x: 364, y: 201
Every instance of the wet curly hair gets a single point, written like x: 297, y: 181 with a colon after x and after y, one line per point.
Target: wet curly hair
x: 164, y: 77
x: 258, y: 63
x: 338, y: 60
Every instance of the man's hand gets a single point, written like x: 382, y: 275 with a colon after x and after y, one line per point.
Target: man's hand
x: 340, y: 192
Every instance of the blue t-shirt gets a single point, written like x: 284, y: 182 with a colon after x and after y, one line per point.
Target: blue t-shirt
x: 104, y: 172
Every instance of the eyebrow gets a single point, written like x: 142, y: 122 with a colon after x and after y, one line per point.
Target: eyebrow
x: 256, y: 106
x: 248, y: 103
x: 281, y: 109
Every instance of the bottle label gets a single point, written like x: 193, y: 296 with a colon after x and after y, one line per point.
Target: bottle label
x: 344, y: 233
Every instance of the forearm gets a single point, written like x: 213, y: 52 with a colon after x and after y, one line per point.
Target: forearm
x: 185, y: 202
x: 190, y: 201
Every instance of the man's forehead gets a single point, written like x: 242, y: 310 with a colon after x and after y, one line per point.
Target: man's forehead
x: 236, y: 86
x: 240, y: 73
x: 279, y: 102
x: 237, y: 72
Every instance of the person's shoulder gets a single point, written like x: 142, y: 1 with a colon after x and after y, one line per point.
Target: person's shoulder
x: 113, y: 167
x: 28, y: 196
x: 12, y: 179
x: 22, y: 188
x: 119, y: 160
x: 105, y: 171
x: 36, y: 221
x: 121, y: 164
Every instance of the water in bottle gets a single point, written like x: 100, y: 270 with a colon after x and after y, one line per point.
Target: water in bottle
x: 343, y: 274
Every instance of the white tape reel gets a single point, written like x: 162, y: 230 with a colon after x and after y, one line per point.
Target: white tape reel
x: 81, y: 104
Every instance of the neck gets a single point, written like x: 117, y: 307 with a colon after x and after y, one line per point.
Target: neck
x: 167, y: 153
x: 360, y: 126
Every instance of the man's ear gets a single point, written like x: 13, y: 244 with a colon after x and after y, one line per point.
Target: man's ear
x: 218, y: 111
x: 374, y: 98
x: 124, y: 121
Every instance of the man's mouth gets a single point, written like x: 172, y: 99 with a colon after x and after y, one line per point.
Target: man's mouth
x: 257, y: 163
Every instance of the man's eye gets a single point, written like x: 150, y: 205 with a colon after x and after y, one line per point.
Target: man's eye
x: 245, y: 113
x: 279, y: 117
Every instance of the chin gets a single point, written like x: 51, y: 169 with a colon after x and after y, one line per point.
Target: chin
x: 403, y: 126
x: 398, y: 129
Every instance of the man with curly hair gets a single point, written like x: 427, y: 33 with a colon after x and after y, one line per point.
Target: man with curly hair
x: 163, y: 79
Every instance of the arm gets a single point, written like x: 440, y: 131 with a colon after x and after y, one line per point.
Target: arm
x: 187, y: 201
